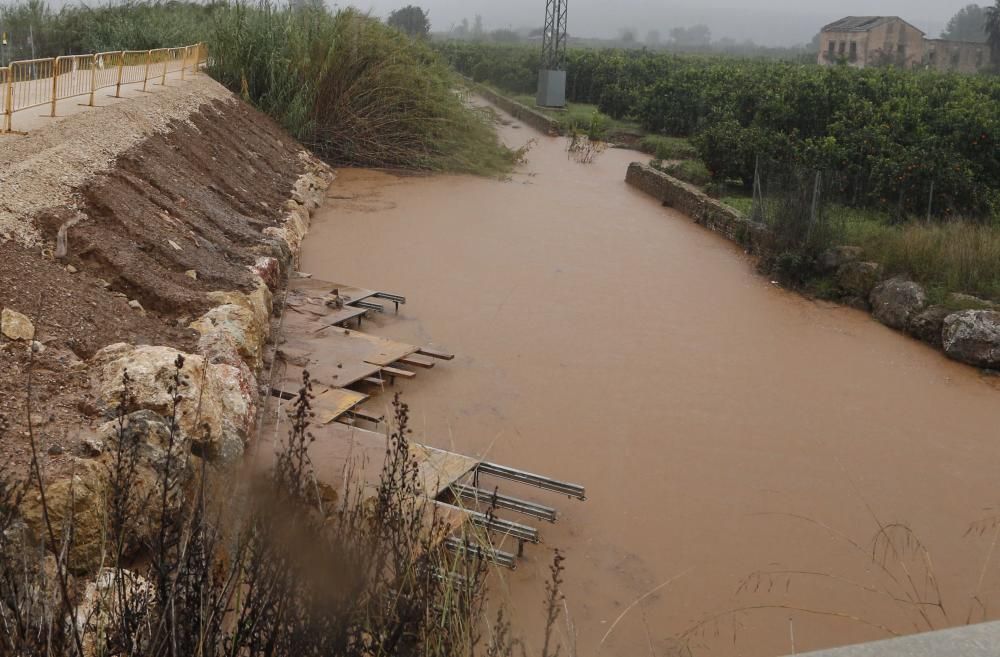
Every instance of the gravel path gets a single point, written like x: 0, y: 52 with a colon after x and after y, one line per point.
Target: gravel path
x: 40, y: 170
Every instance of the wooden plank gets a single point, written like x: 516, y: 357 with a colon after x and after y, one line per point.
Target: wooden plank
x: 417, y: 361
x: 376, y: 350
x: 434, y: 353
x: 395, y: 371
x: 368, y: 415
x: 345, y: 314
x: 330, y: 403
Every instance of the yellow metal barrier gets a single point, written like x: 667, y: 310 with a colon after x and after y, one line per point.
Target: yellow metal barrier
x: 39, y: 82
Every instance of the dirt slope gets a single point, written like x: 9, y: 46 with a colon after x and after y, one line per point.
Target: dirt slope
x: 176, y: 214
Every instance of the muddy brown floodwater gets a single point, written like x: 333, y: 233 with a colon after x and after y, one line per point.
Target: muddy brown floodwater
x: 722, y: 425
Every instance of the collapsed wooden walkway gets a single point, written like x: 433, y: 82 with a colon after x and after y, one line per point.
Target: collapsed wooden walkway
x: 339, y: 361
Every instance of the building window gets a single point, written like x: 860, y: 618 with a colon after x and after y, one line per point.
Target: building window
x: 843, y: 48
x: 956, y: 58
x: 832, y: 52
x: 854, y: 51
x: 933, y: 57
x: 979, y: 58
x: 901, y: 51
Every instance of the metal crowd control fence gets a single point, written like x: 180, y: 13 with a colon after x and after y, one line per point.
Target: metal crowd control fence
x: 41, y: 82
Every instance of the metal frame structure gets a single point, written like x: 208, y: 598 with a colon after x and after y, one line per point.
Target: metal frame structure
x: 554, y: 35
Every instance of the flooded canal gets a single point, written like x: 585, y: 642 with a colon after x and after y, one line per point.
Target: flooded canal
x: 723, y: 426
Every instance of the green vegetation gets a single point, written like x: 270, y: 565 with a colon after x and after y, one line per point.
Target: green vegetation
x: 692, y: 171
x: 889, y: 134
x: 579, y: 115
x: 410, y: 20
x: 890, y: 145
x: 953, y: 256
x: 353, y: 89
x: 35, y: 30
x: 350, y: 87
x: 668, y: 148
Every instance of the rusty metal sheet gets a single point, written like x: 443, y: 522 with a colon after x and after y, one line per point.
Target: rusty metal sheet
x: 315, y: 287
x: 340, y: 449
x: 331, y: 403
x: 373, y: 349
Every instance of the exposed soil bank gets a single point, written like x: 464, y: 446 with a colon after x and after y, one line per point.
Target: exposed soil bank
x: 606, y: 340
x: 184, y: 219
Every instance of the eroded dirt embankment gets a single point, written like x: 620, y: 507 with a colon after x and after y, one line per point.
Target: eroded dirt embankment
x: 181, y: 212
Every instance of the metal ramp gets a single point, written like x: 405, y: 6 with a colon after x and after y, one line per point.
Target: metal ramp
x: 343, y: 295
x: 469, y: 497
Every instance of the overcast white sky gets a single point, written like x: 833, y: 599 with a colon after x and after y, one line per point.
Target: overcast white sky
x: 772, y: 22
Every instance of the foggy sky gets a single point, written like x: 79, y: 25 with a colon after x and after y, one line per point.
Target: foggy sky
x: 767, y: 22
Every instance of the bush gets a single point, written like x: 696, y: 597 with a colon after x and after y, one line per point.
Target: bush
x: 353, y: 89
x: 668, y: 148
x: 890, y: 135
x: 692, y: 171
x: 956, y: 256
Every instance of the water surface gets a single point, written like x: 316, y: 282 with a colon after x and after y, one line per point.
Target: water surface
x: 721, y: 424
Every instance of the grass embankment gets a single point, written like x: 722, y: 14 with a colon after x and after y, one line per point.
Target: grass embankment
x: 956, y: 256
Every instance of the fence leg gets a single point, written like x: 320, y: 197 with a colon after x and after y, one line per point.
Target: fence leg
x: 93, y: 78
x: 145, y: 76
x: 55, y: 85
x: 8, y: 103
x: 166, y: 62
x: 121, y: 71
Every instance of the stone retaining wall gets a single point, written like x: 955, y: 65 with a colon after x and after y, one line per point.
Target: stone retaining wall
x: 693, y: 202
x: 532, y: 117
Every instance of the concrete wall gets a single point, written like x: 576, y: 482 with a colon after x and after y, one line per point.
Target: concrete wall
x: 693, y: 202
x: 521, y: 112
x: 892, y: 42
x: 957, y: 56
x: 981, y: 640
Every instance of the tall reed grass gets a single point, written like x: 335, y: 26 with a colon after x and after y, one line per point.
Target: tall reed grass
x: 954, y: 256
x: 353, y: 89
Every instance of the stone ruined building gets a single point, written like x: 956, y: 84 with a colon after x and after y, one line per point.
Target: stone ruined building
x: 862, y: 41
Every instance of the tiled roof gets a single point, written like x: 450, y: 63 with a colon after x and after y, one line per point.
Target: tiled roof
x: 858, y: 23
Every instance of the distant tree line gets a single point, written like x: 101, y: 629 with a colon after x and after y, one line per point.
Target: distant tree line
x: 891, y: 135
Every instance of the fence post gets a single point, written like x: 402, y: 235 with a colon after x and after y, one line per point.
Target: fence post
x: 55, y: 85
x: 184, y: 61
x: 8, y: 102
x: 166, y: 62
x: 93, y: 78
x: 121, y: 71
x: 145, y: 76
